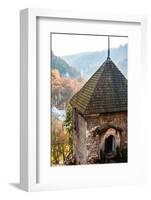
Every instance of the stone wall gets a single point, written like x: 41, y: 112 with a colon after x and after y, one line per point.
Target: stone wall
x: 95, y: 143
x: 79, y: 140
x: 86, y: 145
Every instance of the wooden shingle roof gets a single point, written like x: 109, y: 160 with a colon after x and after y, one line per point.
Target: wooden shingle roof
x: 105, y: 91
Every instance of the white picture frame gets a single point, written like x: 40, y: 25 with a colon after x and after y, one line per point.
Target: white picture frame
x: 29, y: 148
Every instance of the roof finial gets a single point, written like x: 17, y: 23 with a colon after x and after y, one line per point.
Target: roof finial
x: 108, y: 57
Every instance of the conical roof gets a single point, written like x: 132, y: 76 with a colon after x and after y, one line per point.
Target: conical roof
x: 105, y: 91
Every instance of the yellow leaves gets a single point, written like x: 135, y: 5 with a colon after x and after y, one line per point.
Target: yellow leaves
x: 59, y: 153
x: 55, y: 74
x: 63, y: 88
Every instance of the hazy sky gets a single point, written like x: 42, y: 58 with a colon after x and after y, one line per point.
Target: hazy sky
x: 65, y: 44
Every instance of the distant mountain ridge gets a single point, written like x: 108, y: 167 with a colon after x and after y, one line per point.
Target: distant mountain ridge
x: 88, y: 62
x: 63, y: 67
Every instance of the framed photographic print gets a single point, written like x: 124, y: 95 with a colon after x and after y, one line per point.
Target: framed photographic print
x: 82, y: 78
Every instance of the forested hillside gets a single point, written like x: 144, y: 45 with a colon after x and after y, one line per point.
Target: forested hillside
x: 63, y: 68
x: 88, y: 62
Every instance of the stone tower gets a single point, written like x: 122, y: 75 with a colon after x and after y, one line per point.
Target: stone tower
x: 100, y: 116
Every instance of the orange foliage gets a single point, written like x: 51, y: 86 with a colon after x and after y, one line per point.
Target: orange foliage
x: 63, y: 88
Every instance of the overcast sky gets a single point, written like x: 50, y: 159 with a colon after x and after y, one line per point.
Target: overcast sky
x: 65, y: 44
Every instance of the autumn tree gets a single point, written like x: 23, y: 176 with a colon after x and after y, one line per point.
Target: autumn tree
x: 63, y: 88
x: 59, y: 143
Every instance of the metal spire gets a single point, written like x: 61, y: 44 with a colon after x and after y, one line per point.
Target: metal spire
x: 108, y: 56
